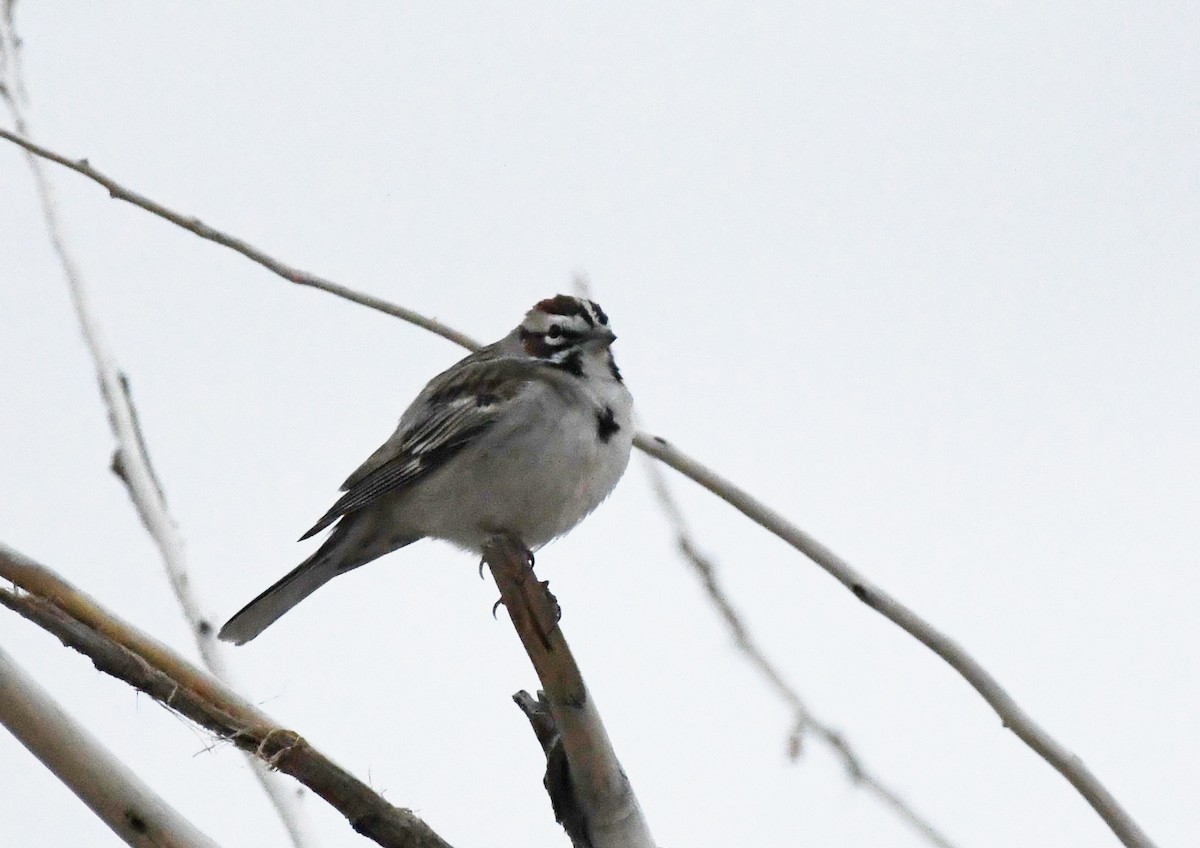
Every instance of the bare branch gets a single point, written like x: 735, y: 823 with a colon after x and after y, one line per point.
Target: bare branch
x: 602, y: 811
x: 1014, y: 718
x: 195, y: 225
x: 118, y: 649
x: 803, y: 719
x: 1066, y: 763
x: 131, y: 460
x: 133, y: 811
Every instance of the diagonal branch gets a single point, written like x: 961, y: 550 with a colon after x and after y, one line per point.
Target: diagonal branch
x: 130, y: 808
x: 119, y: 649
x: 1013, y: 716
x: 198, y: 227
x: 803, y: 719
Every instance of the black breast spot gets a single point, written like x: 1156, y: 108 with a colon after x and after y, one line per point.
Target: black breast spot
x: 606, y: 424
x: 572, y: 363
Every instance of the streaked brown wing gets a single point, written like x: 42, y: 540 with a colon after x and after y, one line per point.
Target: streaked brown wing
x: 455, y: 409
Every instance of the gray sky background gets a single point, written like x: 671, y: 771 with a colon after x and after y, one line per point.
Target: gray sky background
x: 923, y: 276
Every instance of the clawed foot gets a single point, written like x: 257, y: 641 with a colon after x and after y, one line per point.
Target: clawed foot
x: 528, y: 557
x: 545, y: 585
x: 514, y: 547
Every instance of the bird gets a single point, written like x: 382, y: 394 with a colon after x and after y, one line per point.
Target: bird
x: 525, y: 437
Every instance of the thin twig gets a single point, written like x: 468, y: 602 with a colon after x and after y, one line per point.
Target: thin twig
x: 803, y: 720
x: 1015, y: 718
x: 288, y: 272
x: 121, y: 650
x: 118, y: 797
x: 131, y: 461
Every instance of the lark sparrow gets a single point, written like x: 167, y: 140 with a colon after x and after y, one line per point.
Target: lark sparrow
x: 526, y: 436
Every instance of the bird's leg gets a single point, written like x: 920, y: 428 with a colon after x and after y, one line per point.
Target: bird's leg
x: 524, y: 549
x: 527, y: 555
x: 528, y: 559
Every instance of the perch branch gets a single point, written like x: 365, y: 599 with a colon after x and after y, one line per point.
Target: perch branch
x: 1015, y: 718
x: 118, y: 649
x: 133, y: 811
x: 607, y: 810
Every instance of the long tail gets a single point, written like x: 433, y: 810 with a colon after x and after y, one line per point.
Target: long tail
x: 295, y: 586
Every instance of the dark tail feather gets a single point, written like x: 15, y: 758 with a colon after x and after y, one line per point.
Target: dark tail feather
x: 295, y: 586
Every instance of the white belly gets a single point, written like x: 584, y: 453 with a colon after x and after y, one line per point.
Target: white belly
x: 537, y: 478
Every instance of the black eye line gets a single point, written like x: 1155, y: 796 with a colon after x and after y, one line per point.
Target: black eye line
x: 566, y: 334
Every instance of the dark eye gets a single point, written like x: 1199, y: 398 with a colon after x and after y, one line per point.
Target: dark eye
x: 555, y: 331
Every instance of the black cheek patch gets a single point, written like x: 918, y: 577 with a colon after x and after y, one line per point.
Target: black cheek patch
x: 535, y: 345
x: 606, y: 424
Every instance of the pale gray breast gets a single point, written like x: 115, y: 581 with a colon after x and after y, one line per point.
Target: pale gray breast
x: 537, y: 472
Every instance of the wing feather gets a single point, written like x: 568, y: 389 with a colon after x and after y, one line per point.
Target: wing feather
x: 455, y: 409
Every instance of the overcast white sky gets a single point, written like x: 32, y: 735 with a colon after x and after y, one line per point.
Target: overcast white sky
x: 922, y: 275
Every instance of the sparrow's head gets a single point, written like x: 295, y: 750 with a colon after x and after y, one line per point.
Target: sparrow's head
x: 563, y: 328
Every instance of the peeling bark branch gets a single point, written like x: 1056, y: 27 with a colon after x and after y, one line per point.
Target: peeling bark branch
x: 594, y: 800
x: 118, y: 649
x: 131, y: 809
x: 1015, y: 718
